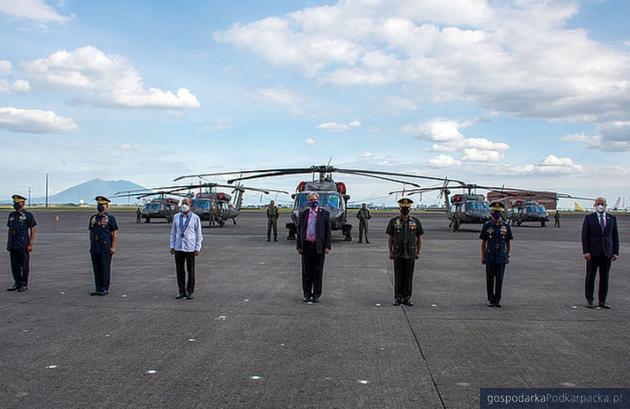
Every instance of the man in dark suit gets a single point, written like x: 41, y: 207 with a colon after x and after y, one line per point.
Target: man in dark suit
x: 313, y: 243
x: 600, y: 246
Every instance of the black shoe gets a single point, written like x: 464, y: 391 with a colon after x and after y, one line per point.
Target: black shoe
x: 396, y: 302
x: 189, y: 296
x: 307, y: 299
x: 408, y: 303
x: 94, y: 293
x: 315, y: 300
x: 367, y: 242
x: 490, y: 304
x: 601, y: 305
x: 590, y: 304
x: 359, y: 242
x: 498, y: 305
x: 275, y: 239
x: 180, y: 297
x: 268, y: 239
x: 13, y: 288
x: 22, y: 289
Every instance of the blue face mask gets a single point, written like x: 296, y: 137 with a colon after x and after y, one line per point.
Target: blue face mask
x: 313, y: 204
x: 100, y: 208
x: 17, y: 206
x: 496, y: 215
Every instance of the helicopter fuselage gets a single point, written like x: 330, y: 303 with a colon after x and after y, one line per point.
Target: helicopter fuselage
x: 332, y: 201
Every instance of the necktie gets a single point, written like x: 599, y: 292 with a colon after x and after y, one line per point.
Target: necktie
x: 602, y: 222
x: 311, y: 225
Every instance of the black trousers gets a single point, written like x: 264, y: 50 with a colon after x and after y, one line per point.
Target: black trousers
x: 101, y: 264
x: 602, y: 264
x: 494, y: 281
x: 272, y: 224
x: 403, y: 277
x: 187, y: 258
x: 20, y: 266
x: 312, y: 270
x: 363, y: 231
x: 557, y: 223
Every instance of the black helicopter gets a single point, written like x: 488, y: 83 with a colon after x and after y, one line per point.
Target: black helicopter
x: 333, y: 196
x: 162, y: 207
x: 210, y: 205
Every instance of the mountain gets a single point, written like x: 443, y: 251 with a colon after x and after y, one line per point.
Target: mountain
x: 87, y: 191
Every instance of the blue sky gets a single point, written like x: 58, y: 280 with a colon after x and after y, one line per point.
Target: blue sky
x: 531, y: 94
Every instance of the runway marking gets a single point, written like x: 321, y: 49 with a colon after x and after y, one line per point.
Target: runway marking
x: 220, y: 318
x: 568, y: 384
x: 363, y: 381
x: 191, y: 339
x: 378, y: 305
x: 51, y: 366
x: 124, y: 296
x: 255, y: 377
x: 151, y: 371
x: 433, y: 305
x: 463, y: 384
x: 574, y: 307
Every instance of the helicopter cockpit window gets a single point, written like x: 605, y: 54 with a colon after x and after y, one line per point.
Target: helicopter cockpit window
x: 155, y: 207
x: 331, y: 201
x: 328, y: 201
x: 475, y: 206
x: 201, y: 204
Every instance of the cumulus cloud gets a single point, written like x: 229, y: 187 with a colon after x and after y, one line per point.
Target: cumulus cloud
x: 103, y: 79
x: 443, y: 161
x: 611, y: 137
x: 32, y: 9
x: 449, y: 139
x: 286, y: 98
x: 550, y: 166
x: 310, y: 141
x: 34, y: 121
x: 518, y: 57
x: 6, y: 86
x: 335, y: 126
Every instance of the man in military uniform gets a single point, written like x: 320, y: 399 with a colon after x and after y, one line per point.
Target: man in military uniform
x: 557, y: 218
x: 496, y: 236
x: 103, y: 238
x: 364, y: 215
x: 404, y: 243
x: 272, y: 221
x: 21, y: 236
x: 138, y: 215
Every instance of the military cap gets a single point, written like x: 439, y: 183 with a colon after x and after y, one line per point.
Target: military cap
x: 18, y: 198
x: 102, y: 200
x: 405, y: 202
x: 497, y: 206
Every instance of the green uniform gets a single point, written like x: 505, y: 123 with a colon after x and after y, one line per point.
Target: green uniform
x: 272, y: 222
x: 557, y: 219
x: 404, y: 234
x: 364, y: 215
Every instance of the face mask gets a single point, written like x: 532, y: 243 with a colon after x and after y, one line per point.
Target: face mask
x: 496, y: 215
x: 100, y: 208
x: 313, y: 204
x: 185, y: 208
x: 404, y: 211
x: 17, y: 206
x: 600, y: 208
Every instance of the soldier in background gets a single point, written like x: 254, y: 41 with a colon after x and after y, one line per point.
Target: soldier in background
x: 272, y: 221
x: 556, y: 218
x: 364, y: 215
x: 21, y: 235
x: 138, y: 215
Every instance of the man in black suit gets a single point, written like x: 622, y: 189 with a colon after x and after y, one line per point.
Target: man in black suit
x: 600, y: 246
x: 313, y: 243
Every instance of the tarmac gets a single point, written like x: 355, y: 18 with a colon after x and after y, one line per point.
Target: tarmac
x: 248, y: 341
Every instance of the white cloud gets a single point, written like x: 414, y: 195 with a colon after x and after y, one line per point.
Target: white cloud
x: 366, y: 155
x: 5, y: 67
x: 310, y: 141
x: 611, y: 137
x: 443, y: 161
x: 283, y: 97
x: 517, y: 57
x: 449, y: 138
x: 34, y: 121
x: 32, y: 9
x: 550, y: 166
x: 334, y: 126
x: 102, y: 79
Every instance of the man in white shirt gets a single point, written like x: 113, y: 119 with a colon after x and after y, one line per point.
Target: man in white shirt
x: 186, y: 241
